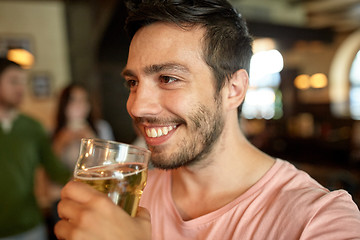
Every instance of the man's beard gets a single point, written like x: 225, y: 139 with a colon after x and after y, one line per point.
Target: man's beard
x: 9, y: 105
x: 205, y: 126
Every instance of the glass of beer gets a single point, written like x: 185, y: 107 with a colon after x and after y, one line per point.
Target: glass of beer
x: 116, y: 169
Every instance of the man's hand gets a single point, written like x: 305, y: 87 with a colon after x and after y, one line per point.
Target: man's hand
x: 88, y: 214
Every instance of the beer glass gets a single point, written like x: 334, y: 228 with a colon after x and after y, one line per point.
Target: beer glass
x: 116, y: 169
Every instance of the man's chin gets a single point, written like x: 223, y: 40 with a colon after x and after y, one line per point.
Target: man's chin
x: 170, y: 162
x: 13, y: 105
x: 163, y: 161
x: 165, y: 166
x: 159, y: 161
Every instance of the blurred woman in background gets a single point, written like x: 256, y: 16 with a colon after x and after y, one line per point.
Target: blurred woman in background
x: 76, y: 119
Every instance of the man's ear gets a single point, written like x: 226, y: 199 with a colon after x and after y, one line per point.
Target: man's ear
x: 236, y: 88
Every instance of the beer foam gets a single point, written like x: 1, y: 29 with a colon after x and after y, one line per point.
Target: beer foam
x: 114, y: 171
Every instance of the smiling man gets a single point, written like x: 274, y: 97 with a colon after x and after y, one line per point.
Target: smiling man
x: 187, y: 73
x: 176, y: 107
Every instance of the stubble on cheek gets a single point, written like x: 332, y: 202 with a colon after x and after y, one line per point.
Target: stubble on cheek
x: 204, y: 128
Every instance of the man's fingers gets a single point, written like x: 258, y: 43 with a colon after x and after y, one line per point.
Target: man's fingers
x: 78, y: 200
x: 64, y: 230
x: 143, y: 213
x: 68, y: 209
x: 143, y: 218
x: 79, y: 192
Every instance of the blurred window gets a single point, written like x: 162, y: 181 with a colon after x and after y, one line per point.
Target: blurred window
x: 355, y: 88
x: 263, y: 99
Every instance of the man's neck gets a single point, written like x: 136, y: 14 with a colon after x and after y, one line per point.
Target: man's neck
x: 234, y: 166
x: 7, y: 117
x: 7, y: 112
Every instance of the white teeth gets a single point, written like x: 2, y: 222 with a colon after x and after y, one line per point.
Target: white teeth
x: 148, y: 132
x: 165, y: 130
x: 158, y: 132
x: 153, y: 133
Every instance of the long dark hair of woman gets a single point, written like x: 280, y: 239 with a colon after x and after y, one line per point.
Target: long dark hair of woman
x: 64, y: 99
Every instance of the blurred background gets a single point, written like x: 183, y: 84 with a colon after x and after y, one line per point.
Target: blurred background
x: 303, y: 104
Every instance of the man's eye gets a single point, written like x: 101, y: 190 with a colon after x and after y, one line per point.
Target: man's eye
x: 167, y: 79
x: 131, y: 83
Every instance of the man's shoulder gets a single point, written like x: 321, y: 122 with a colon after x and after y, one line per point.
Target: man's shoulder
x: 291, y: 182
x: 299, y: 203
x: 295, y: 189
x: 294, y: 178
x: 29, y: 123
x: 28, y: 119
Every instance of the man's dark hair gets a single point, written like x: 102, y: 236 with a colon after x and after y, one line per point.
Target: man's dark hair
x: 227, y: 46
x: 5, y: 63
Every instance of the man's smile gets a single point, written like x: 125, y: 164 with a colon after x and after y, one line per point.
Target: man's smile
x: 154, y: 132
x: 157, y: 135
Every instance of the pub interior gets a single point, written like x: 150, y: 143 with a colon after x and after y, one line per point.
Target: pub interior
x: 303, y: 102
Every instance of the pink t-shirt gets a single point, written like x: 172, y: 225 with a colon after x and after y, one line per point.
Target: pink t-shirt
x: 284, y: 204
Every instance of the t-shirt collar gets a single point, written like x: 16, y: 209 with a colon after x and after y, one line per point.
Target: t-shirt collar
x: 7, y: 122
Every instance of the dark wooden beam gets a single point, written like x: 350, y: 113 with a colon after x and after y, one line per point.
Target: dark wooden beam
x: 288, y: 35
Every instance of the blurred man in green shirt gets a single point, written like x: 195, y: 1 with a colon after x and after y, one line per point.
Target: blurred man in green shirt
x: 24, y: 146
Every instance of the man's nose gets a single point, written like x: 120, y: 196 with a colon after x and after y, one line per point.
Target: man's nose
x: 144, y: 102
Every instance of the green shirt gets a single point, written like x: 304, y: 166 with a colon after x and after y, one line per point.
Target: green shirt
x: 22, y: 150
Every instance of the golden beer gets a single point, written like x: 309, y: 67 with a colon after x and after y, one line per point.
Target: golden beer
x: 122, y: 183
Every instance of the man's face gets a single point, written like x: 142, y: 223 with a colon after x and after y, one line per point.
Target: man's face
x: 172, y: 94
x: 12, y: 86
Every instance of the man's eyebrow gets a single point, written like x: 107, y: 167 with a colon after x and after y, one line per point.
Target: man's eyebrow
x: 155, y: 68
x: 164, y: 67
x: 127, y: 72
